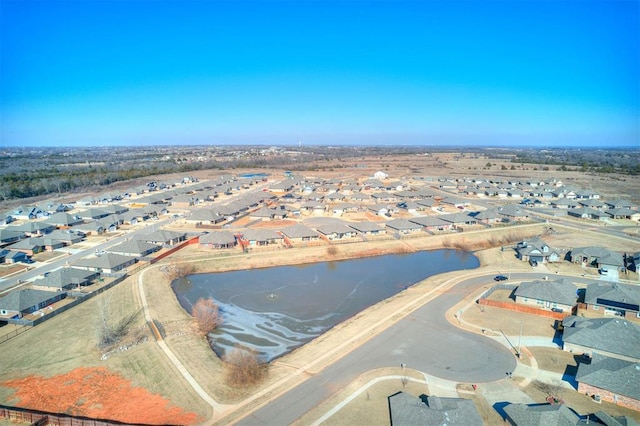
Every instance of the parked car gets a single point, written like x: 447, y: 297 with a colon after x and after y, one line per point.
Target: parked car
x: 500, y: 278
x: 533, y: 262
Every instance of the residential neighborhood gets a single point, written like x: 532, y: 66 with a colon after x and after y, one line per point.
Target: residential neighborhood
x: 97, y: 242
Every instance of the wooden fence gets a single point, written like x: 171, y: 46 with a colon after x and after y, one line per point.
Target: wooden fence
x: 41, y: 418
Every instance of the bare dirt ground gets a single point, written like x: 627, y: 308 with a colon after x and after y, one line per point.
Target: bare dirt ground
x: 99, y: 394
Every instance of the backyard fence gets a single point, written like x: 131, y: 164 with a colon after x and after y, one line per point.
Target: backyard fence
x: 40, y: 418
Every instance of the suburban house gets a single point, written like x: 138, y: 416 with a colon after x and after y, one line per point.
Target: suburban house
x: 90, y: 228
x: 28, y: 246
x: 540, y: 414
x: 133, y: 217
x: 13, y: 256
x: 217, y: 240
x: 107, y: 263
x: 613, y: 299
x: 612, y: 380
x: 588, y: 213
x: 28, y: 213
x: 512, y: 212
x: 136, y: 248
x: 94, y: 214
x: 163, y: 237
x: 405, y: 409
x: 612, y: 337
x: 5, y: 219
x: 536, y: 250
x: 8, y: 236
x: 609, y: 262
x: 487, y: 216
x: 433, y: 223
x: 368, y: 228
x: 624, y: 213
x: 559, y: 295
x: 300, y: 233
x: 264, y: 213
x: 63, y: 220
x: 261, y: 237
x: 65, y: 279
x: 283, y: 186
x: 18, y: 303
x: 67, y: 237
x: 403, y: 226
x: 205, y: 217
x: 336, y: 231
x: 33, y: 229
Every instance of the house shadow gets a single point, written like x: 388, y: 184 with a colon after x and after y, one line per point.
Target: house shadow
x: 570, y: 371
x: 499, y: 407
x: 557, y: 336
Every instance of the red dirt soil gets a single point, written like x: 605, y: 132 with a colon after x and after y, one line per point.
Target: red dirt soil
x: 99, y: 394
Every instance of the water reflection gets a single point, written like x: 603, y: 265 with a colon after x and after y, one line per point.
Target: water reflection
x: 275, y: 310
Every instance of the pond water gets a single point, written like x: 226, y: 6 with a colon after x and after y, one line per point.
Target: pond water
x: 275, y: 310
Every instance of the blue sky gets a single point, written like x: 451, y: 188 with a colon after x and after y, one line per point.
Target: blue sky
x: 332, y: 72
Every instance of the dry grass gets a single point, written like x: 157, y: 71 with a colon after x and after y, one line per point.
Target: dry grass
x: 553, y: 359
x: 580, y: 403
x: 371, y: 407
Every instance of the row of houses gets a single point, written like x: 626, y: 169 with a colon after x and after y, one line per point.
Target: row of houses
x: 55, y: 285
x: 608, y: 336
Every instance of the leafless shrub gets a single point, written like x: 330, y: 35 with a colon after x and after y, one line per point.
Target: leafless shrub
x: 109, y: 330
x: 179, y: 270
x: 550, y: 389
x: 332, y: 250
x: 206, y: 315
x: 243, y: 368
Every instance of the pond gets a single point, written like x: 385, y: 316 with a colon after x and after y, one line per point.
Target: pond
x: 275, y: 310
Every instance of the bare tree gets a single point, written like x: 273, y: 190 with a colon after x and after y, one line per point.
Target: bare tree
x: 5, y: 191
x: 243, y: 368
x: 179, y: 270
x: 206, y: 315
x: 551, y: 389
x: 110, y: 330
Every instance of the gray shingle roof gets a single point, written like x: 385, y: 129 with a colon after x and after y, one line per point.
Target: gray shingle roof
x: 403, y: 225
x: 106, y: 261
x: 544, y: 414
x: 299, y: 231
x: 559, y: 291
x: 602, y: 292
x: 134, y: 248
x: 21, y: 300
x: 612, y: 335
x: 63, y: 277
x: 338, y: 228
x: 410, y: 410
x: 217, y: 238
x: 261, y: 235
x: 602, y: 254
x: 612, y: 374
x: 365, y: 226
